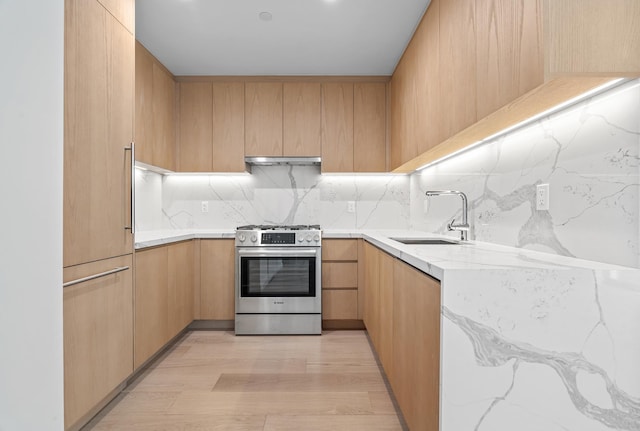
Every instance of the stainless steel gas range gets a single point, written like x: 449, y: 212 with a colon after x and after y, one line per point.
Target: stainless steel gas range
x: 278, y: 279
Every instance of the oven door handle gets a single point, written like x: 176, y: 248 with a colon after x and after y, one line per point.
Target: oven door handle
x: 272, y: 252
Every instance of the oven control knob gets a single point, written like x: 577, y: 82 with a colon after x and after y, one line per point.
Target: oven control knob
x: 300, y: 238
x: 316, y: 238
x: 308, y: 238
x: 241, y: 237
x: 254, y: 238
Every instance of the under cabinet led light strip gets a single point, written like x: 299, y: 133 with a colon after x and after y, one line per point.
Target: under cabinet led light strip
x: 550, y: 111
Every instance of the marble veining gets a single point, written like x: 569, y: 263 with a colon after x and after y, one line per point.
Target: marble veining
x: 589, y: 154
x: 545, y: 349
x: 285, y: 195
x: 623, y: 412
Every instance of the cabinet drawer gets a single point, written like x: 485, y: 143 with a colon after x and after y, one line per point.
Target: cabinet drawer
x: 340, y: 304
x: 340, y: 249
x: 98, y: 335
x: 339, y: 275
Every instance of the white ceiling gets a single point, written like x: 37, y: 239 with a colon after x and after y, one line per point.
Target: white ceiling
x: 304, y: 37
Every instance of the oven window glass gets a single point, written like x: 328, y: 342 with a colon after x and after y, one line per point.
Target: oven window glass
x: 278, y: 276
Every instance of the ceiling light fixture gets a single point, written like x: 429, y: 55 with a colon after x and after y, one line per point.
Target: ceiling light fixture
x: 265, y: 16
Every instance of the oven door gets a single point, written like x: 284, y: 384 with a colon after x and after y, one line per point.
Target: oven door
x: 278, y: 280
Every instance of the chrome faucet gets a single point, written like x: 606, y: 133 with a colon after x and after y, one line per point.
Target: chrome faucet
x: 462, y: 227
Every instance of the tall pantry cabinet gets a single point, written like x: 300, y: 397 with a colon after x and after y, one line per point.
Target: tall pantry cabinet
x: 98, y: 242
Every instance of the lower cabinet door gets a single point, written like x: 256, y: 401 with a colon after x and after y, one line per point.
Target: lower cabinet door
x: 98, y: 334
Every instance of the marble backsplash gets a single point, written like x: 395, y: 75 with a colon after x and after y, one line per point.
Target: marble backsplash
x: 589, y: 154
x: 272, y: 195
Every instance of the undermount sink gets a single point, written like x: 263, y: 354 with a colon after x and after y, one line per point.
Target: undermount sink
x: 425, y: 241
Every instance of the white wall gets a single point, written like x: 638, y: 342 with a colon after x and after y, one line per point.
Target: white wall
x: 31, y: 146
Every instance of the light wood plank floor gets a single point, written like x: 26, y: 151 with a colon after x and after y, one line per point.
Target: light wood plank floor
x: 213, y: 380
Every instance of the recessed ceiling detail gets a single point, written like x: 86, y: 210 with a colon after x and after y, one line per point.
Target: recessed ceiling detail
x: 309, y: 37
x: 265, y: 16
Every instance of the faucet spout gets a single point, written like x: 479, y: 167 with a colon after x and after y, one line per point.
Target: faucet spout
x: 463, y: 227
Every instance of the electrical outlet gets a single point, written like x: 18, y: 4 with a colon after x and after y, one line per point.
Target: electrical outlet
x: 204, y: 206
x: 542, y: 197
x: 351, y: 206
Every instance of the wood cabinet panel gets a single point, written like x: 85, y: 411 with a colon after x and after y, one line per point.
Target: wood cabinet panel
x: 385, y: 312
x: 402, y: 147
x: 457, y: 62
x: 369, y: 130
x: 164, y: 96
x: 263, y: 119
x: 301, y: 119
x: 228, y: 127
x: 337, y: 127
x: 195, y: 127
x: 180, y: 286
x: 372, y: 293
x: 592, y: 37
x: 98, y: 335
x: 144, y: 105
x: 509, y: 52
x: 155, y: 135
x: 98, y: 126
x: 339, y: 275
x: 427, y: 130
x: 339, y: 249
x: 340, y: 304
x: 151, y: 303
x: 416, y: 346
x: 217, y: 278
x: 123, y: 11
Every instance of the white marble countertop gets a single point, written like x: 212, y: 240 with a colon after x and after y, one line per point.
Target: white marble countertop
x: 431, y: 259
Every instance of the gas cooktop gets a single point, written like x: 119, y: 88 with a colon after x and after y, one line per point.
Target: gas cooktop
x: 279, y: 227
x: 301, y: 235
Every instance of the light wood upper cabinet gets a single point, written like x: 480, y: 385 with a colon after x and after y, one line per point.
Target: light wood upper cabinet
x: 211, y: 126
x: 195, y: 127
x: 301, y: 119
x: 509, y: 52
x: 592, y: 37
x: 228, y: 127
x: 369, y: 120
x: 354, y: 127
x: 98, y: 335
x: 164, y: 130
x: 222, y: 121
x: 144, y: 104
x: 263, y: 119
x: 502, y: 62
x: 123, y: 11
x: 457, y: 62
x: 217, y: 278
x: 98, y: 126
x: 337, y: 127
x: 155, y: 111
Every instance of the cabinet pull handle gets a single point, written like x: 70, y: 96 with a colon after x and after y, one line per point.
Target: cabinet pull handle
x: 132, y: 148
x: 94, y: 276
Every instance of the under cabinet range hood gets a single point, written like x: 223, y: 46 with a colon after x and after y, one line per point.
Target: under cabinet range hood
x: 277, y: 161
